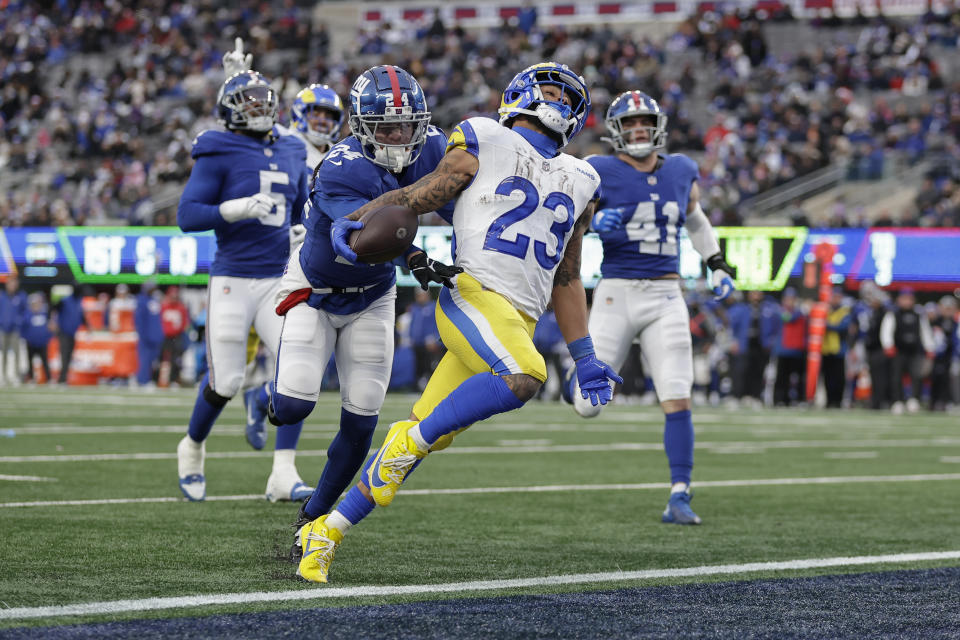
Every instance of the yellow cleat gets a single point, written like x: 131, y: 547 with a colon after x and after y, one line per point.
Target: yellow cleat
x: 318, y: 542
x: 393, y: 462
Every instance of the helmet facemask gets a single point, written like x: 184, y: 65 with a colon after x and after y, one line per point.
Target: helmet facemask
x: 394, y: 156
x: 254, y: 108
x: 525, y: 96
x: 315, y: 136
x: 620, y: 136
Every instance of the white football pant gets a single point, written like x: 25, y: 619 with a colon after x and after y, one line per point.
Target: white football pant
x: 654, y: 311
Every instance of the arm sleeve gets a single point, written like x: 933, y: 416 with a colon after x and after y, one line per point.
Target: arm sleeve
x: 199, y: 208
x: 702, y: 235
x: 887, y: 326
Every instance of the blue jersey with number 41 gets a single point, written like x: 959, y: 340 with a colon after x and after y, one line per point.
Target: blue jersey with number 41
x: 654, y: 209
x: 232, y: 165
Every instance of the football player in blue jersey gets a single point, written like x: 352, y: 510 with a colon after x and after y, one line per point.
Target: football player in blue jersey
x: 316, y: 118
x: 331, y: 305
x: 648, y: 196
x: 248, y: 184
x: 522, y: 207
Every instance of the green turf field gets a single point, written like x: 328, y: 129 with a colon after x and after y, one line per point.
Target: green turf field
x: 90, y: 511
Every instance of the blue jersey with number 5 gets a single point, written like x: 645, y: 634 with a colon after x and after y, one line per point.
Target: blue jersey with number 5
x: 654, y: 209
x: 232, y: 165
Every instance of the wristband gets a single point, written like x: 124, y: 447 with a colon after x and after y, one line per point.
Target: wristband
x: 581, y: 347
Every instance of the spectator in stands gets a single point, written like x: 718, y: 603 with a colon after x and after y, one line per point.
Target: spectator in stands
x: 907, y: 341
x: 120, y: 310
x: 834, y: 348
x: 13, y: 308
x: 69, y: 318
x: 754, y: 327
x: 37, y: 330
x: 149, y: 328
x: 791, y: 351
x: 869, y: 323
x: 174, y: 319
x: 946, y: 346
x: 424, y: 336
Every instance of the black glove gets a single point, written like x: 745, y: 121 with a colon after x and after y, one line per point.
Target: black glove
x: 716, y: 262
x: 425, y: 270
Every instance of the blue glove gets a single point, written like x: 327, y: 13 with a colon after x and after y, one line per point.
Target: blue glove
x: 607, y: 220
x: 340, y: 237
x: 592, y: 374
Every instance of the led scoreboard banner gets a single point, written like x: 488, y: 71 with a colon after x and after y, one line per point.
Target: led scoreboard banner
x: 164, y: 255
x: 765, y: 257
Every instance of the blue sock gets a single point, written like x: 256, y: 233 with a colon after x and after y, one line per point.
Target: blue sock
x: 678, y: 443
x: 345, y: 456
x: 355, y: 506
x: 476, y: 399
x: 262, y: 397
x: 288, y: 435
x: 204, y: 414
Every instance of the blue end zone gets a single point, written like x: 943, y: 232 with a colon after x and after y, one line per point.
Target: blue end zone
x: 913, y: 604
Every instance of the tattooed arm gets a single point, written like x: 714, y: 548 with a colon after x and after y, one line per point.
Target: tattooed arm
x: 433, y: 190
x: 569, y: 297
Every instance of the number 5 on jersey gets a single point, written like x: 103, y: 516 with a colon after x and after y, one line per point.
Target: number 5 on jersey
x: 278, y: 215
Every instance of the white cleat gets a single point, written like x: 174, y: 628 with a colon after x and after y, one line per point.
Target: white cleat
x: 286, y: 486
x: 190, y: 456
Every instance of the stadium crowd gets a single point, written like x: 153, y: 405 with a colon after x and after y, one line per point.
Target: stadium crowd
x: 100, y: 100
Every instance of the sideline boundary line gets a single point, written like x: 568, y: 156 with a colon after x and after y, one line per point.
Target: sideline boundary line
x: 318, y: 593
x: 759, y: 482
x: 756, y: 446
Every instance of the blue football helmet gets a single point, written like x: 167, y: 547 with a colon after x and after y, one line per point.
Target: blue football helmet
x: 523, y: 96
x: 317, y: 97
x: 246, y: 102
x: 630, y: 104
x: 388, y: 101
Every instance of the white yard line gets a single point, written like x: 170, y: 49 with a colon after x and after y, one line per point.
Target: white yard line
x: 27, y: 478
x: 719, y: 446
x: 326, y: 592
x: 758, y: 482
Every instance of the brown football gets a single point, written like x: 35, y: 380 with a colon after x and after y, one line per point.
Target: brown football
x: 386, y: 234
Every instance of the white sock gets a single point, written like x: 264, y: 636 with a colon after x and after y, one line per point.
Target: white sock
x: 418, y: 437
x: 338, y: 521
x: 283, y: 459
x: 678, y: 487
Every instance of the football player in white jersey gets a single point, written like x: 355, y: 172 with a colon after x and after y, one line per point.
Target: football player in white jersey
x: 648, y: 197
x: 521, y: 210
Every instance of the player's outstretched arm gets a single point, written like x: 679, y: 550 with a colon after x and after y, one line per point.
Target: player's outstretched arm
x: 433, y: 190
x: 570, y: 306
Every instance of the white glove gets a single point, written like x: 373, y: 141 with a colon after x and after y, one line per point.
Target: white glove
x: 722, y: 284
x: 236, y: 61
x: 259, y: 205
x: 297, y: 234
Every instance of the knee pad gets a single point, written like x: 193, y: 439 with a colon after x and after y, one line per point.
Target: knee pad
x: 213, y: 397
x: 288, y: 410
